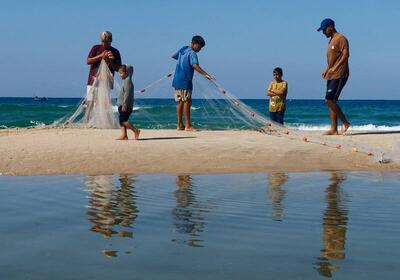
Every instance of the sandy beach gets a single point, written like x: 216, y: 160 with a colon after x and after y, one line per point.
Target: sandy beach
x: 94, y: 151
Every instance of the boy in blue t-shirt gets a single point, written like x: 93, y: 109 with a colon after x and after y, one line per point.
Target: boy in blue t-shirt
x: 187, y: 63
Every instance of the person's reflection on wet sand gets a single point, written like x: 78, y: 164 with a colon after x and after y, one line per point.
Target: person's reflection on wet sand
x: 187, y: 213
x: 112, y: 211
x: 334, y: 226
x: 276, y: 193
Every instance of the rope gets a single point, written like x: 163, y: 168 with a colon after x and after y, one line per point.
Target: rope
x: 273, y: 126
x: 142, y: 90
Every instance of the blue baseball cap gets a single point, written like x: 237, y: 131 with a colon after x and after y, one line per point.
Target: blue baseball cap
x: 325, y: 23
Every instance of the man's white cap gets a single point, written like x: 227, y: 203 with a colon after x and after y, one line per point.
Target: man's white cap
x: 106, y: 36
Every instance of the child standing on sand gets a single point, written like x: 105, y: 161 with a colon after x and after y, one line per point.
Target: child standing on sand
x: 187, y: 63
x: 277, y: 91
x: 125, y: 102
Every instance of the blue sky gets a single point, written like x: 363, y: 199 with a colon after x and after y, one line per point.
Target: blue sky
x: 45, y: 43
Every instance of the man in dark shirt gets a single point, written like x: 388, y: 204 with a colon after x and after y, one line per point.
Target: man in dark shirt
x: 97, y: 53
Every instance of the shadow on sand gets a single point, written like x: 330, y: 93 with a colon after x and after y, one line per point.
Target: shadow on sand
x: 165, y: 138
x: 372, y: 132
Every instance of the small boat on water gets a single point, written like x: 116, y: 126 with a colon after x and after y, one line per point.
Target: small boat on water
x: 37, y: 98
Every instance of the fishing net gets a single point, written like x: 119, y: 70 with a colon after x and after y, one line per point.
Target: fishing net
x: 212, y: 104
x: 96, y: 111
x: 216, y: 102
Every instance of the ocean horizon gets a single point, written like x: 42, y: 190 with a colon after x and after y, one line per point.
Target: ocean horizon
x: 209, y: 114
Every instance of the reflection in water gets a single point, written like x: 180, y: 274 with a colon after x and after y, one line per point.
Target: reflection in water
x: 334, y: 226
x: 276, y: 193
x: 112, y: 211
x: 187, y: 212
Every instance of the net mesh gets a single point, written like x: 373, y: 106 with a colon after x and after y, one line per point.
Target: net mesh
x: 215, y: 103
x: 96, y: 109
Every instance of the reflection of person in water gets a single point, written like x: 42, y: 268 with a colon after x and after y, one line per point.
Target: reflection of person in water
x: 112, y: 211
x: 187, y: 215
x: 334, y: 226
x: 276, y: 193
x: 100, y: 210
x: 126, y: 209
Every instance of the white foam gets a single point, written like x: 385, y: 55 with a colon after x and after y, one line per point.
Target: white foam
x: 367, y: 127
x: 38, y: 124
x: 135, y: 108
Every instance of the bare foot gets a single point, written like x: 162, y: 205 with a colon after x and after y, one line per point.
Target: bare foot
x: 137, y: 133
x: 345, y: 127
x: 330, y: 132
x: 190, y: 128
x: 180, y: 128
x: 122, y: 138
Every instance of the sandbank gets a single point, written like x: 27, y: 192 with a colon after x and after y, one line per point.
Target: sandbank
x: 94, y: 151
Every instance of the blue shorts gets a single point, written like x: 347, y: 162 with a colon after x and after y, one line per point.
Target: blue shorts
x: 334, y: 88
x: 277, y: 116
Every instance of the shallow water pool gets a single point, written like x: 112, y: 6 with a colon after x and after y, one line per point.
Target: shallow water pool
x: 233, y: 226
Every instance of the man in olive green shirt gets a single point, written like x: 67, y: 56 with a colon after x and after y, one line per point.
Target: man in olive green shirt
x: 336, y: 73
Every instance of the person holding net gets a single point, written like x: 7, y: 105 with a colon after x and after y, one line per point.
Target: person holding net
x: 187, y: 62
x: 98, y: 53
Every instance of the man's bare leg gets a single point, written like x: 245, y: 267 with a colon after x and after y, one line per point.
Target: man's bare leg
x: 124, y: 135
x: 345, y: 125
x: 135, y: 130
x: 333, y: 119
x: 344, y: 128
x: 179, y: 110
x: 186, y: 110
x: 334, y: 107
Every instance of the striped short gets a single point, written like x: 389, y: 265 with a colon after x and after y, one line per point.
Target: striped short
x: 182, y: 95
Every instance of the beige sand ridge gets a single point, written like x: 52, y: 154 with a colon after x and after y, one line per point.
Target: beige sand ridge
x: 94, y: 151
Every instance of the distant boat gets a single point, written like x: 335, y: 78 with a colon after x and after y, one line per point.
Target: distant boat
x: 37, y: 98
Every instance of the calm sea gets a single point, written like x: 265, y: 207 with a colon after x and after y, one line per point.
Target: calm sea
x: 236, y: 226
x: 365, y: 115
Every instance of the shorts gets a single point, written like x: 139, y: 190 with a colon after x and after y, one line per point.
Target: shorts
x: 334, y: 88
x: 89, y: 93
x: 277, y: 116
x: 124, y: 116
x: 183, y: 95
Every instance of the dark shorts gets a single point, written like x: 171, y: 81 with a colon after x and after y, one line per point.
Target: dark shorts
x: 277, y: 116
x: 124, y: 116
x: 334, y: 88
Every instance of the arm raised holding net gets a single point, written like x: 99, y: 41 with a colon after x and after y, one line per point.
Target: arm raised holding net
x: 187, y: 62
x: 202, y: 72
